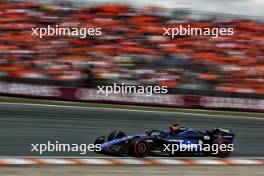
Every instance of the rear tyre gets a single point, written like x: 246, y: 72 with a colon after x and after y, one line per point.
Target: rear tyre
x: 140, y: 148
x: 220, y: 153
x: 117, y: 134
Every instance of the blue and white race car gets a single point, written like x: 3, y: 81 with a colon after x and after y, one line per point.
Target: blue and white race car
x: 178, y: 141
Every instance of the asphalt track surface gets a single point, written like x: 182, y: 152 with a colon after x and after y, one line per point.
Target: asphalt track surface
x: 23, y: 125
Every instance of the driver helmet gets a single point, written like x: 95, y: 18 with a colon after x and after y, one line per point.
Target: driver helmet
x: 174, y: 128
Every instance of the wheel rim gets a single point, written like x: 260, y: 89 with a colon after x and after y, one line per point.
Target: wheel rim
x: 141, y: 148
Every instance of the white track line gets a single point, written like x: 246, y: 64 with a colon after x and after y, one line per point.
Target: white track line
x: 132, y: 110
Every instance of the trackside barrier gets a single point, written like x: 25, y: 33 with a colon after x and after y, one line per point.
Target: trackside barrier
x: 164, y: 100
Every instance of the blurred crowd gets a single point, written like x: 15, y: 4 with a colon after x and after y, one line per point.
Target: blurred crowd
x: 131, y: 49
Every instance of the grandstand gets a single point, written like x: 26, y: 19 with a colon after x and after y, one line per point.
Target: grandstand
x: 131, y: 49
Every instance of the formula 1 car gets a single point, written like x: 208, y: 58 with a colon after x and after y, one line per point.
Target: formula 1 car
x: 215, y: 142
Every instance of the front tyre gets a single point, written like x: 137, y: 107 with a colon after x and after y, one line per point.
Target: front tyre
x: 140, y: 148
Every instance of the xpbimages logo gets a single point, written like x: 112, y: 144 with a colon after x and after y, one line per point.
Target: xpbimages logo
x: 60, y: 147
x: 182, y: 147
x: 64, y: 31
x: 137, y: 89
x: 188, y: 30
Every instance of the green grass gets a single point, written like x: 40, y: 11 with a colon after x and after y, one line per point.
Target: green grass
x: 130, y: 107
